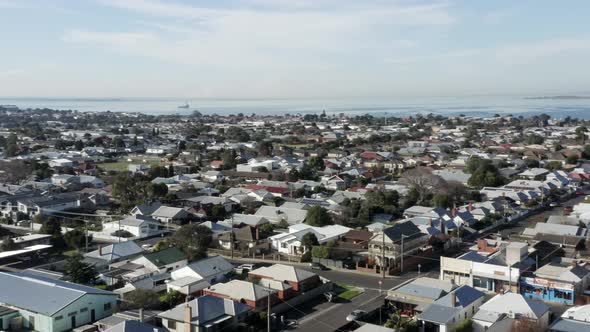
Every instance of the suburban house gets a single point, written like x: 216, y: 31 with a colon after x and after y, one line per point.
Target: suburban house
x: 47, y: 205
x: 277, y: 214
x: 149, y: 271
x: 414, y: 296
x: 47, y: 305
x: 510, y: 306
x: 205, y: 313
x: 290, y: 243
x: 245, y: 292
x: 139, y: 226
x: 401, y: 236
x: 446, y: 312
x: 298, y: 279
x: 168, y: 214
x: 574, y: 319
x: 106, y: 255
x: 200, y: 274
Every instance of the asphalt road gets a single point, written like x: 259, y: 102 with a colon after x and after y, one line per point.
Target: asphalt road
x: 331, y: 316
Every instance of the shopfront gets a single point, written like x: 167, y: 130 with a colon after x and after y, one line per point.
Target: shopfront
x: 548, y: 290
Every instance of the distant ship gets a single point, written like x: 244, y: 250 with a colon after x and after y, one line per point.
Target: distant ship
x: 186, y: 105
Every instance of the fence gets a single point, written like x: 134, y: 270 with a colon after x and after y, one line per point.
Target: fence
x: 329, y: 262
x: 303, y: 297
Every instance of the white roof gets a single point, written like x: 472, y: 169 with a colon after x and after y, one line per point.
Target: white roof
x: 239, y: 289
x: 283, y: 273
x: 518, y: 304
x: 210, y: 266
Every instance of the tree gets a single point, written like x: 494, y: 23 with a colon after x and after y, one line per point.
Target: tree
x: 79, y: 145
x: 53, y: 227
x: 423, y: 181
x: 237, y: 134
x: 158, y: 171
x: 572, y: 159
x: 441, y: 200
x: 129, y: 189
x: 483, y: 173
x: 293, y: 175
x: 316, y: 162
x: 77, y: 271
x: 309, y: 240
x: 142, y: 298
x: 157, y: 190
x: 162, y: 244
x: 581, y: 134
x: 456, y: 191
x: 324, y: 251
x: 464, y: 326
x: 318, y: 216
x: 193, y: 240
x: 7, y: 244
x: 172, y: 298
x: 76, y: 238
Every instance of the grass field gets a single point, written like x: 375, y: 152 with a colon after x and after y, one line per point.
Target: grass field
x: 123, y: 165
x: 347, y: 292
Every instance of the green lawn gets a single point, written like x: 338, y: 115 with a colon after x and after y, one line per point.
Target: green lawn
x: 122, y: 165
x: 71, y: 253
x: 347, y: 292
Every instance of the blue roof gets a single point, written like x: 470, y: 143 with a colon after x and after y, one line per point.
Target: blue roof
x: 465, y: 295
x: 474, y: 257
x: 41, y: 294
x: 442, y: 310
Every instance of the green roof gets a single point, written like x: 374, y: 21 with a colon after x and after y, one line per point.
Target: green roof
x: 165, y: 256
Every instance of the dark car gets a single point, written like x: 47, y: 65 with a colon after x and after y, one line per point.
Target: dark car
x: 318, y: 266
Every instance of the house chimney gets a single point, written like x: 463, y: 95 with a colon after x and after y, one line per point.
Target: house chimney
x: 454, y: 212
x: 470, y: 206
x: 453, y: 299
x: 442, y: 226
x: 141, y: 317
x: 188, y: 317
x: 482, y: 244
x: 430, y: 222
x: 257, y: 233
x: 100, y: 250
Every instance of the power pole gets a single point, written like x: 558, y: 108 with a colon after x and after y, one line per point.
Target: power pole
x: 402, y: 255
x: 383, y: 252
x: 268, y: 311
x: 231, y: 237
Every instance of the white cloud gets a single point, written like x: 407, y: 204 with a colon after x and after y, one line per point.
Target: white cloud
x: 535, y: 51
x: 269, y: 38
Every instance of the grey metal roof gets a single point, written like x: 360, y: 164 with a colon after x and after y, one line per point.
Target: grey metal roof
x: 569, y: 325
x: 439, y: 314
x: 116, y: 251
x: 205, y: 309
x: 42, y: 295
x: 134, y: 326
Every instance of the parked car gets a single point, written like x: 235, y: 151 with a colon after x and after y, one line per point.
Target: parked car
x: 244, y: 268
x: 318, y: 266
x: 355, y: 315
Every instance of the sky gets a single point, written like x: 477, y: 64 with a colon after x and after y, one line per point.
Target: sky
x: 292, y: 48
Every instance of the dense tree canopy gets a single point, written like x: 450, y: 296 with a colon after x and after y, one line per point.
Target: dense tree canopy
x: 318, y: 216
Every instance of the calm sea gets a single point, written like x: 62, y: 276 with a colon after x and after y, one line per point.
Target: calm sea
x: 475, y: 106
